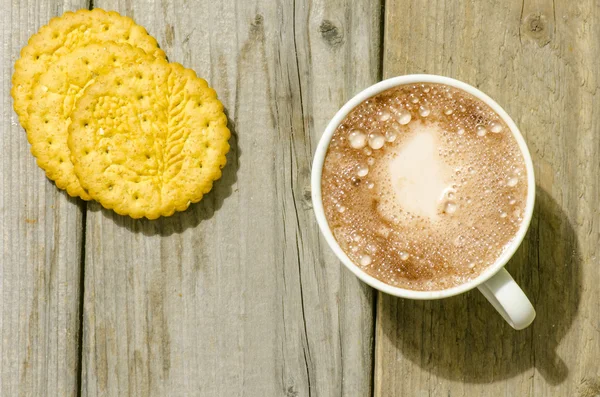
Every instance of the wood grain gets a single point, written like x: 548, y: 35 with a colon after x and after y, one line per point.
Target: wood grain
x: 239, y: 295
x: 40, y: 241
x: 538, y: 59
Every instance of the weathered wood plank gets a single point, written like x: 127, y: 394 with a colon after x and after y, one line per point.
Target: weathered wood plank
x: 538, y: 59
x: 40, y: 241
x: 238, y: 295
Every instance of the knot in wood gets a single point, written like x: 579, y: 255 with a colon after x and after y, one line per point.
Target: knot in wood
x: 332, y: 34
x: 535, y: 23
x: 256, y: 27
x: 307, y: 195
x: 535, y: 26
x: 258, y: 21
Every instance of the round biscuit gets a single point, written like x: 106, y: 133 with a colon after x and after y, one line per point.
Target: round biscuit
x: 64, y: 34
x: 148, y: 139
x: 54, y: 98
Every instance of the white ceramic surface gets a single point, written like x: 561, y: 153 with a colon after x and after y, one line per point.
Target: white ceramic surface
x: 495, y: 282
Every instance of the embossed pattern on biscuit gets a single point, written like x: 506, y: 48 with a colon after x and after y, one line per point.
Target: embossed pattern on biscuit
x: 148, y: 139
x: 54, y: 98
x: 63, y: 35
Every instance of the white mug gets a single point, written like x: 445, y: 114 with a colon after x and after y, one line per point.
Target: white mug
x: 495, y: 283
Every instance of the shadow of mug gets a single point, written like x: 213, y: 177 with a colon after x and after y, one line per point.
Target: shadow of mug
x: 464, y: 339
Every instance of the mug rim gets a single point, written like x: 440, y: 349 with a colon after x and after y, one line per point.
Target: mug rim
x: 317, y: 171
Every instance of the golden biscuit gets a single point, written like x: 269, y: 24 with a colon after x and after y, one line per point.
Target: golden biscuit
x: 148, y: 139
x: 54, y: 97
x: 64, y: 34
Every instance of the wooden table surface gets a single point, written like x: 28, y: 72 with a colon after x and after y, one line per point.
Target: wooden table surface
x: 240, y: 295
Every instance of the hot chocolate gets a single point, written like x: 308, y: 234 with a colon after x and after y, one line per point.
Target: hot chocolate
x: 423, y: 186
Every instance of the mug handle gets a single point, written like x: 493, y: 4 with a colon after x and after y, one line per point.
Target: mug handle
x: 508, y: 299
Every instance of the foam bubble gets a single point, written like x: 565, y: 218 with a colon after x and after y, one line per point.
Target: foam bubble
x: 371, y: 248
x: 365, y: 260
x: 424, y: 111
x: 403, y: 116
x: 481, y: 131
x: 448, y: 111
x: 404, y: 256
x: 376, y: 141
x: 449, y: 192
x: 392, y: 133
x: 450, y: 207
x: 495, y: 127
x: 384, y: 231
x: 384, y: 115
x: 357, y: 139
x: 512, y: 182
x: 362, y: 171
